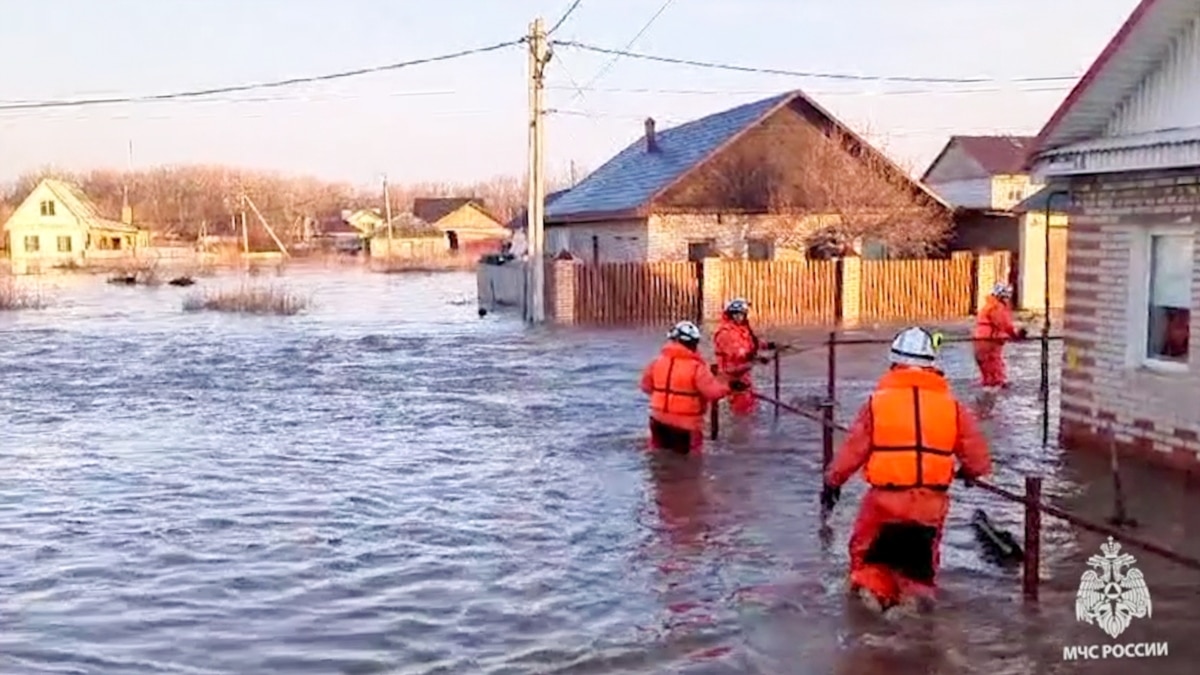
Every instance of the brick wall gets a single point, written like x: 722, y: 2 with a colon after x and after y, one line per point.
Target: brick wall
x: 1108, y: 396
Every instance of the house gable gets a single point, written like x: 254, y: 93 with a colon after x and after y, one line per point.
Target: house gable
x: 1131, y: 110
x: 29, y: 214
x: 953, y: 163
x: 785, y: 161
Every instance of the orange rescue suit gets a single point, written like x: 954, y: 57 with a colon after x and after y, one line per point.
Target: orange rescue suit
x: 736, y: 347
x: 681, y: 386
x: 993, y: 326
x: 906, y: 439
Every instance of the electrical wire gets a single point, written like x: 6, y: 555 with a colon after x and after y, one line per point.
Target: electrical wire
x: 616, y: 57
x: 796, y: 73
x: 276, y: 84
x: 563, y: 19
x: 860, y: 92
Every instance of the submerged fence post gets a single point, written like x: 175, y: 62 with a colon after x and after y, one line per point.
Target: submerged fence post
x: 714, y: 414
x: 1120, y: 516
x: 827, y: 405
x: 1033, y: 537
x: 775, y: 358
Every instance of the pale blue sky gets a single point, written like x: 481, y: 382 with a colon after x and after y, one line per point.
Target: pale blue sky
x: 466, y: 119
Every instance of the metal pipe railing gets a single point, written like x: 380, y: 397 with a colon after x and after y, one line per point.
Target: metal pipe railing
x: 1031, y: 499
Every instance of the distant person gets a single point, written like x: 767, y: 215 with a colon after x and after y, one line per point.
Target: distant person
x: 993, y: 328
x: 906, y: 438
x: 737, y: 349
x: 681, y: 387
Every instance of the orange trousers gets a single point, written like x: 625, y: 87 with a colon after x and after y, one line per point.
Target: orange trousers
x: 992, y: 369
x: 891, y: 557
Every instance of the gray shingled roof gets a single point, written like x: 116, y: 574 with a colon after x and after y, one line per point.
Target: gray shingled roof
x: 632, y: 178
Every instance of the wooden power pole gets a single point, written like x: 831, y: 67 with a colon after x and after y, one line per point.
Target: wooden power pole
x: 387, y: 213
x: 539, y: 56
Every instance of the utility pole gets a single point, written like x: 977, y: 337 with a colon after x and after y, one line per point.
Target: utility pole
x: 387, y: 213
x: 539, y: 56
x: 245, y: 232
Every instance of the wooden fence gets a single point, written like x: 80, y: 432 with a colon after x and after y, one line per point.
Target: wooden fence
x: 916, y: 289
x: 620, y: 293
x: 782, y: 292
x: 785, y: 291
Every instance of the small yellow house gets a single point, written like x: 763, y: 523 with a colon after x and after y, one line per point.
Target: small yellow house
x: 57, y: 225
x: 464, y: 221
x: 409, y: 238
x: 1033, y: 250
x: 364, y: 220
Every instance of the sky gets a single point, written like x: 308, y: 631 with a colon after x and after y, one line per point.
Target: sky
x: 466, y: 119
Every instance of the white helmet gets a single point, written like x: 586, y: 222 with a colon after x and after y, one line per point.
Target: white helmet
x: 1002, y: 290
x: 685, y: 331
x: 737, y: 306
x: 913, y: 347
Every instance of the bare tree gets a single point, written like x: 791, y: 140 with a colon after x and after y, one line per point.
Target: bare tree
x: 829, y: 191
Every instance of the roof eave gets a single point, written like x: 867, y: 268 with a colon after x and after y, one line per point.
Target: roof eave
x: 597, y: 216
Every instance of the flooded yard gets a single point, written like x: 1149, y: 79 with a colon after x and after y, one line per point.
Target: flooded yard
x: 391, y: 484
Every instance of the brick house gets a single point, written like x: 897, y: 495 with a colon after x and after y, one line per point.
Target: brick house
x: 1125, y: 146
x: 712, y: 187
x: 983, y: 178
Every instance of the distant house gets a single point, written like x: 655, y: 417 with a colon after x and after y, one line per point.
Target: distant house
x: 341, y: 236
x: 465, y: 221
x: 984, y: 179
x: 734, y: 184
x: 1124, y: 147
x: 409, y: 238
x: 364, y: 220
x: 59, y: 225
x: 1031, y: 287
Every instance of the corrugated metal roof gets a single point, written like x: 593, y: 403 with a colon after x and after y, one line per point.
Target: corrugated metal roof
x: 1138, y: 46
x: 634, y: 176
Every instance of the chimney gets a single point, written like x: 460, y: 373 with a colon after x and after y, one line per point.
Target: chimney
x: 651, y: 138
x: 127, y: 214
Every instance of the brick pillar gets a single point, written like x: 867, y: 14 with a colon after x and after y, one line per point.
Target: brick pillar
x: 713, y: 290
x: 985, y: 277
x: 560, y: 291
x: 851, y: 285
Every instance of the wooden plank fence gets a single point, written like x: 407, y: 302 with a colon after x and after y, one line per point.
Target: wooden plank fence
x: 895, y: 290
x: 622, y: 293
x: 784, y: 291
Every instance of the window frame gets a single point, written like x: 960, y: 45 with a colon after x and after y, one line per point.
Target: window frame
x: 70, y: 244
x: 34, y: 239
x: 47, y: 208
x: 767, y: 242
x: 1142, y: 302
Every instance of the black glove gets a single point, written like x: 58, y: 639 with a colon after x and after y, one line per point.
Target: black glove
x: 772, y: 346
x: 829, y: 496
x: 965, y: 477
x: 738, y: 385
x: 1022, y: 333
x: 763, y: 360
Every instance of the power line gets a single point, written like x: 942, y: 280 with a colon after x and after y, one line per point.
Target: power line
x: 642, y: 31
x: 563, y: 19
x: 822, y: 94
x: 276, y: 84
x: 796, y: 73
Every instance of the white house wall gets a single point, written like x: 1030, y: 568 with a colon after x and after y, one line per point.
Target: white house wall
x: 1169, y: 98
x: 972, y: 193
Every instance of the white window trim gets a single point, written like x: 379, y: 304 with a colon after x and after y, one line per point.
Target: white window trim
x: 1139, y: 299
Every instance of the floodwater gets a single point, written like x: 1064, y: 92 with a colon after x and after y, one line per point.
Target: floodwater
x: 391, y: 484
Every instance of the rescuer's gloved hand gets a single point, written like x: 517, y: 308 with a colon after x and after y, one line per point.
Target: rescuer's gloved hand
x: 738, y: 385
x: 965, y: 477
x: 1022, y: 333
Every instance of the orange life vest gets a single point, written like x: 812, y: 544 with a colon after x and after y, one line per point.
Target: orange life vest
x: 915, y: 430
x: 674, y: 390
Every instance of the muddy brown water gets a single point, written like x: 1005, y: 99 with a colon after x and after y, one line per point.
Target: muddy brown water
x: 390, y: 484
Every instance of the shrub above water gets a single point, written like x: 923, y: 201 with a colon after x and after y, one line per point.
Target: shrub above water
x: 247, y: 299
x: 14, y: 296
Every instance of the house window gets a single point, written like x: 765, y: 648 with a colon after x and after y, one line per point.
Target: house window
x: 699, y: 250
x: 64, y: 244
x: 760, y: 249
x: 32, y: 244
x: 47, y: 208
x: 1169, y: 298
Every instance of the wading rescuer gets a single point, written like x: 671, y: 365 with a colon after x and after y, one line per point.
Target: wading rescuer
x: 993, y: 327
x: 906, y: 438
x: 681, y: 387
x: 737, y: 349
